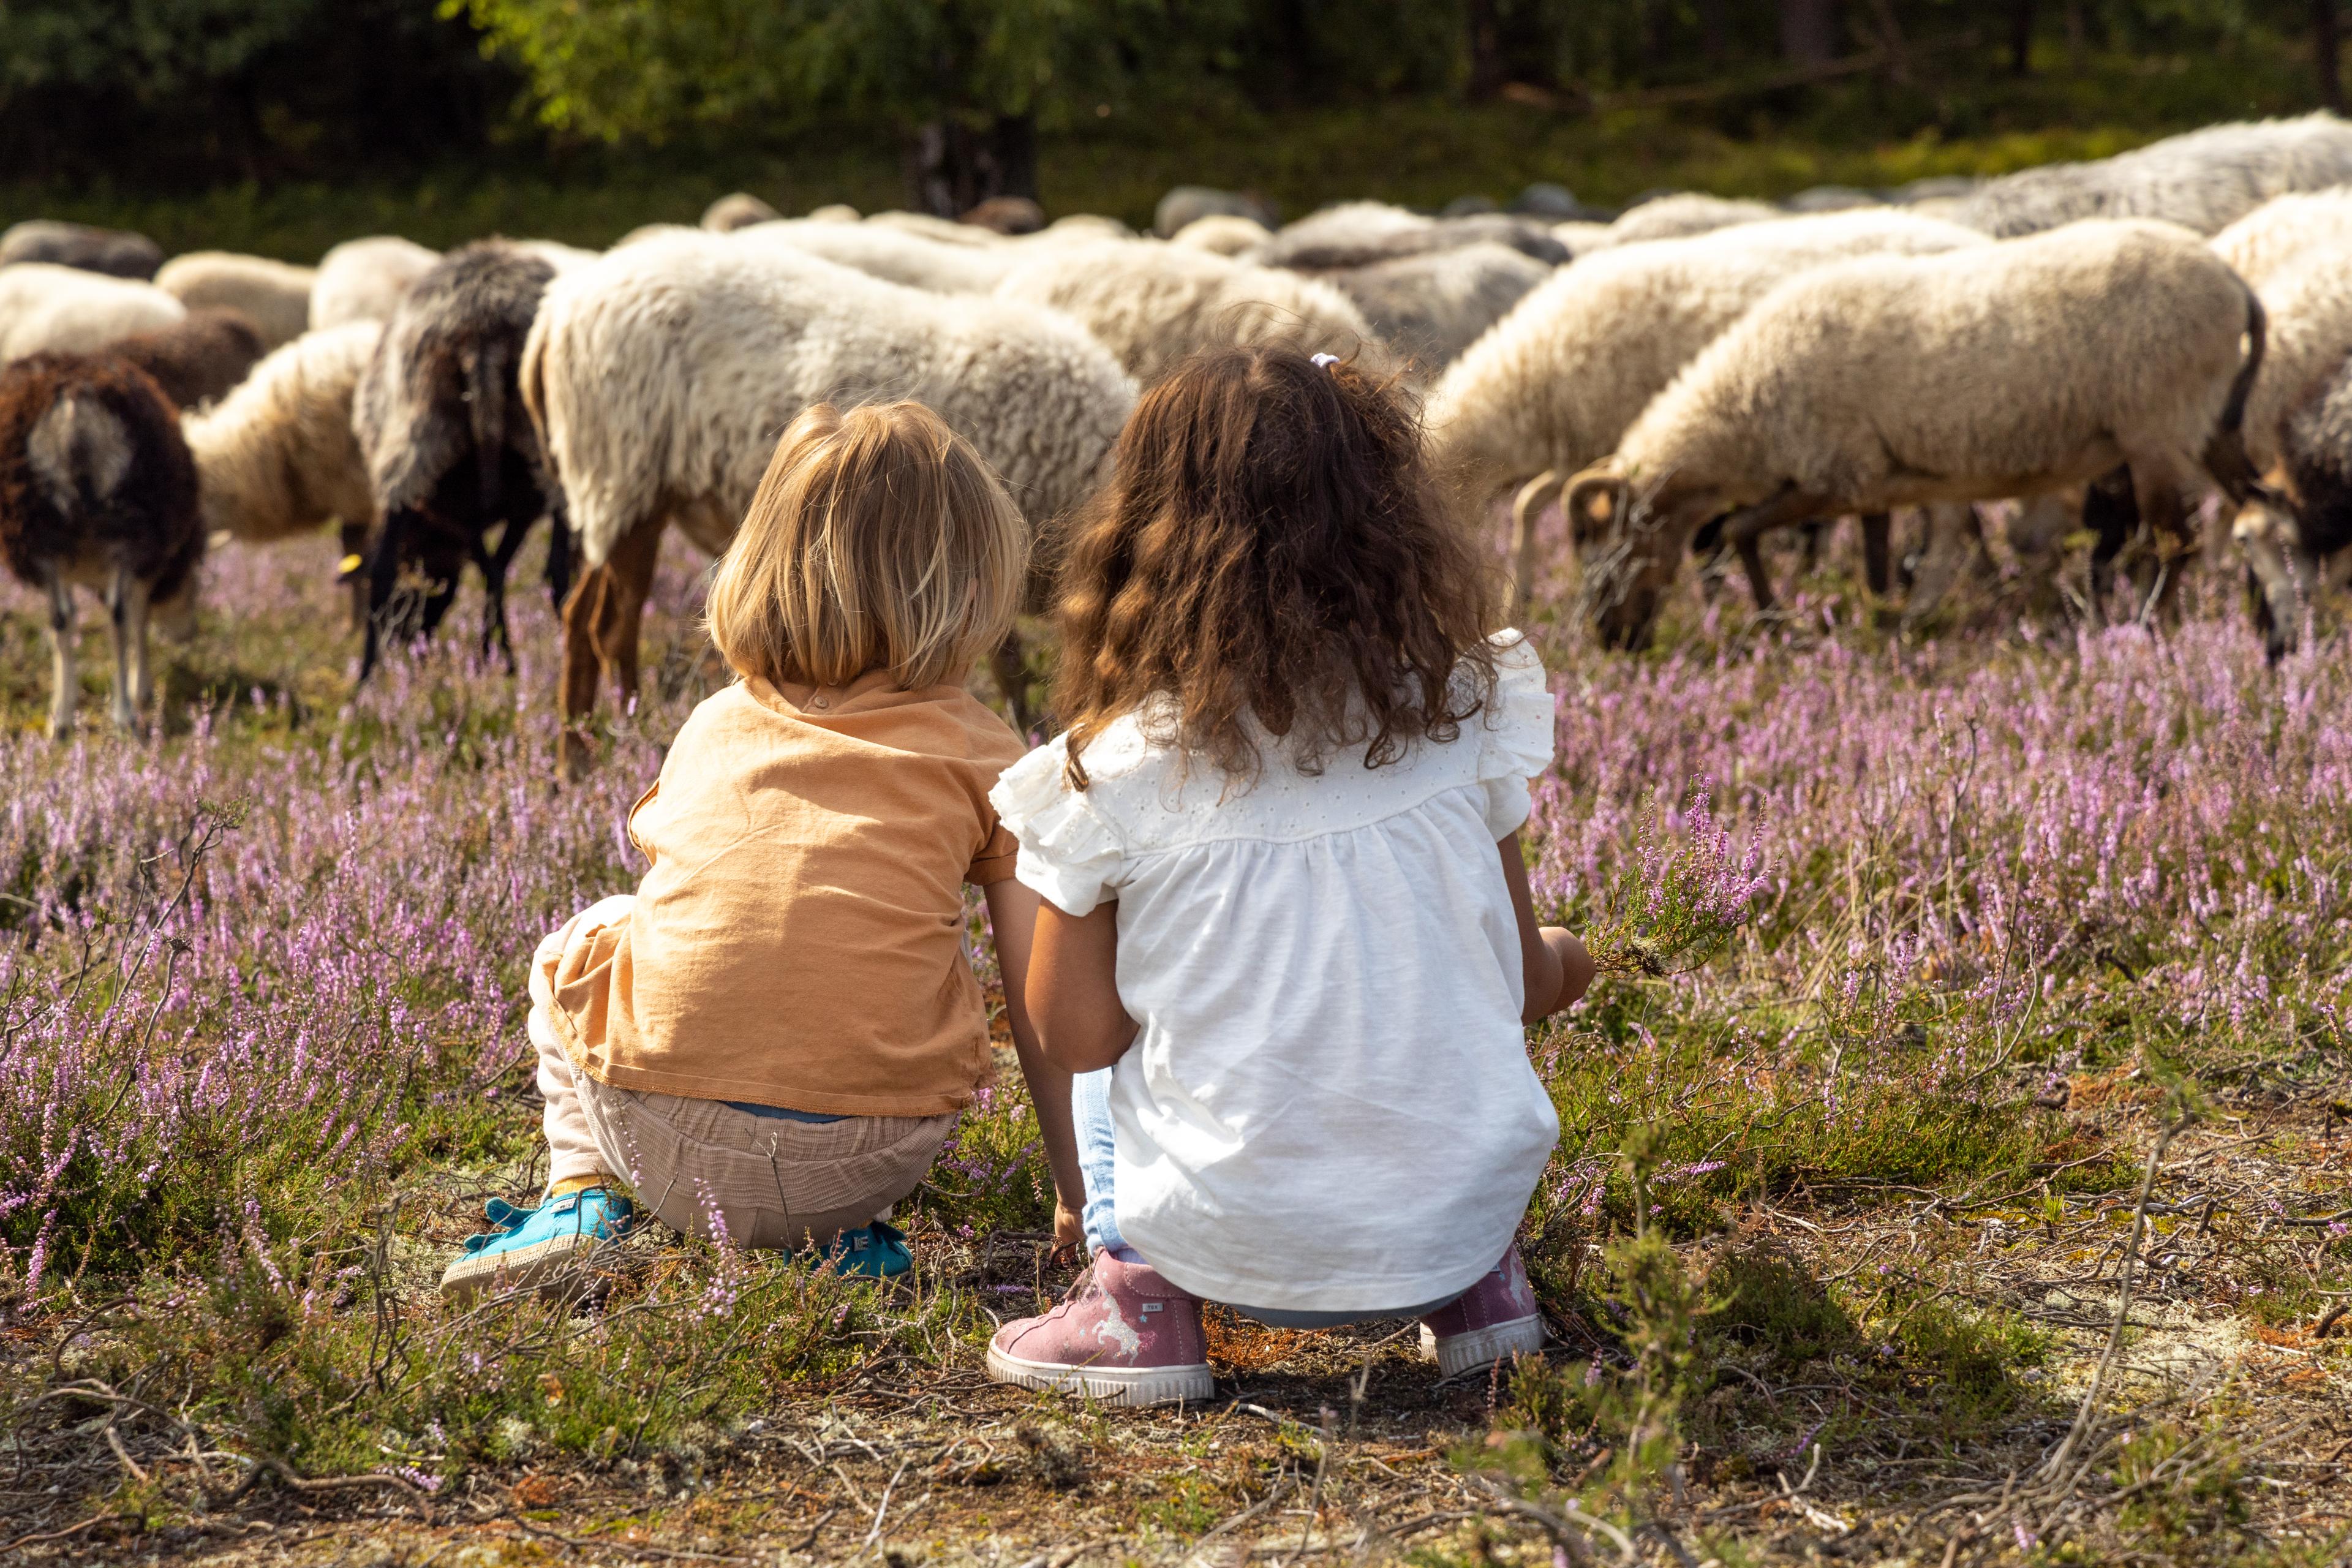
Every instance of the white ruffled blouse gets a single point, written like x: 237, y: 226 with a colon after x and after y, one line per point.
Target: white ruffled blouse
x: 1328, y: 1106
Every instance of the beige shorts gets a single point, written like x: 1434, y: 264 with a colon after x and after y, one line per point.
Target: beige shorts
x: 700, y: 1164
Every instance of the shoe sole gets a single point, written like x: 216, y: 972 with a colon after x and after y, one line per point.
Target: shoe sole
x: 1129, y: 1386
x: 548, y: 1268
x: 1457, y: 1353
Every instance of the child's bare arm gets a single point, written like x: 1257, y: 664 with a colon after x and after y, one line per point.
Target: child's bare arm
x: 1012, y: 913
x: 1073, y: 989
x: 1552, y: 962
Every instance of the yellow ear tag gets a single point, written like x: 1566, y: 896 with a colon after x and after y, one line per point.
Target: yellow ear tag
x: 348, y: 565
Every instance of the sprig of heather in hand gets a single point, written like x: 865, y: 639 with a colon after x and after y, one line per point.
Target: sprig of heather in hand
x: 1682, y: 897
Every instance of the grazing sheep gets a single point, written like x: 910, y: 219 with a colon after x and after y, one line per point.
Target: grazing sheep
x: 1684, y: 214
x: 1351, y: 224
x: 894, y: 255
x: 449, y: 453
x: 277, y: 457
x: 659, y: 376
x: 117, y: 253
x: 199, y: 358
x: 363, y: 279
x: 941, y: 230
x: 2299, y: 437
x: 96, y: 488
x: 2205, y: 180
x: 1973, y: 375
x: 2279, y: 232
x: 1222, y: 234
x: 1556, y: 383
x: 737, y: 211
x: 274, y: 296
x: 1185, y: 204
x: 1083, y: 226
x: 1310, y: 254
x: 46, y: 307
x: 1151, y: 304
x: 1430, y: 307
x: 1006, y: 216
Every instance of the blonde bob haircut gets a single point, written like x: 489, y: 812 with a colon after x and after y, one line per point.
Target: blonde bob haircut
x: 878, y: 539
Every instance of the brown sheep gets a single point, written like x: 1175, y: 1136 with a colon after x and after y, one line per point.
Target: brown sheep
x: 200, y: 360
x: 96, y: 487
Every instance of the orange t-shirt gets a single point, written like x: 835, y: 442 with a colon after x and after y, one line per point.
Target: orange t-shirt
x: 799, y: 938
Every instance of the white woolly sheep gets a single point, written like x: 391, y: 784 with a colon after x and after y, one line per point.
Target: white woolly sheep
x: 939, y: 230
x: 363, y: 279
x: 1083, y: 226
x: 47, y: 308
x: 1352, y: 224
x: 1973, y: 375
x: 893, y: 254
x: 1580, y: 237
x: 2279, y: 232
x: 659, y: 376
x: 277, y: 457
x: 1556, y: 383
x: 1429, y: 307
x: 2205, y: 180
x: 1222, y: 234
x: 737, y: 211
x: 274, y: 296
x: 1309, y: 252
x: 1151, y: 303
x: 1684, y: 214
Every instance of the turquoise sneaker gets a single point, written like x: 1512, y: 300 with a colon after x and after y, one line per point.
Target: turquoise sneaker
x: 535, y: 1248
x: 877, y: 1251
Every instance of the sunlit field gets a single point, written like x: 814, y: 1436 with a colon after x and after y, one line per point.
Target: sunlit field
x: 1970, y: 1041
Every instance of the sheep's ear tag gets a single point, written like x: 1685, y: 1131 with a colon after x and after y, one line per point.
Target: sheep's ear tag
x: 347, y: 568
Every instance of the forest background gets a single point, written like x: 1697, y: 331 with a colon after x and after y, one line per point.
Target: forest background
x: 281, y: 126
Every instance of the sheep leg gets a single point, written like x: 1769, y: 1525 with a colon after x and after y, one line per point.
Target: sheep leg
x: 1525, y: 507
x: 126, y: 621
x: 1745, y: 530
x: 1809, y: 537
x: 1950, y: 526
x: 2274, y: 592
x: 494, y: 566
x: 1877, y: 552
x: 2156, y: 488
x: 558, y: 557
x: 65, y: 676
x: 581, y: 610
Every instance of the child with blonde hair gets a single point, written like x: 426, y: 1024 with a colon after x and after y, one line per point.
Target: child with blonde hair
x: 769, y: 1039
x: 1287, y: 932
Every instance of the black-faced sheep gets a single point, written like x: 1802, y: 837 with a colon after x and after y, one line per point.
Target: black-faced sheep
x: 1551, y: 388
x: 659, y: 376
x: 363, y: 279
x: 118, y: 253
x: 1152, y: 304
x: 1974, y: 375
x: 96, y: 488
x: 450, y: 454
x: 49, y: 309
x: 199, y: 358
x: 274, y: 295
x: 2205, y: 180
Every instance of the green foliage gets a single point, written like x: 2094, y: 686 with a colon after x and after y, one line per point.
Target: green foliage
x: 150, y: 48
x: 617, y: 69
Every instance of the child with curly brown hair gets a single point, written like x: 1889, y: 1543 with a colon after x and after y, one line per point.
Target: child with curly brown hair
x: 1285, y: 932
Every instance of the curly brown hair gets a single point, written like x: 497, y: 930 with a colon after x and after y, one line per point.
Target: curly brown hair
x: 1270, y: 549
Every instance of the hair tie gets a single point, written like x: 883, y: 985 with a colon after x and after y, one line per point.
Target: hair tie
x: 1325, y: 362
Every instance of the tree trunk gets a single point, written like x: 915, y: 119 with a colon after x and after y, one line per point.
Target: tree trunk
x: 2020, y: 38
x: 1809, y: 31
x: 1714, y: 35
x: 952, y: 166
x: 1486, y: 50
x: 2077, y: 50
x: 2325, y: 40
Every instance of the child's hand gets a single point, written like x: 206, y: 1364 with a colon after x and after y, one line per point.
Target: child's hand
x: 1069, y: 1234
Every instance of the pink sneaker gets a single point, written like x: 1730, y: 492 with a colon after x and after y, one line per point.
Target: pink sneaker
x: 1123, y: 1335
x: 1496, y: 1317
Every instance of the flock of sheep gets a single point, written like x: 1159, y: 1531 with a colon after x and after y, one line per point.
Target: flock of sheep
x: 2108, y: 339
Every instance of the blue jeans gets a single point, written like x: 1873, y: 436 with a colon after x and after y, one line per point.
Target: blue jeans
x: 1098, y: 1147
